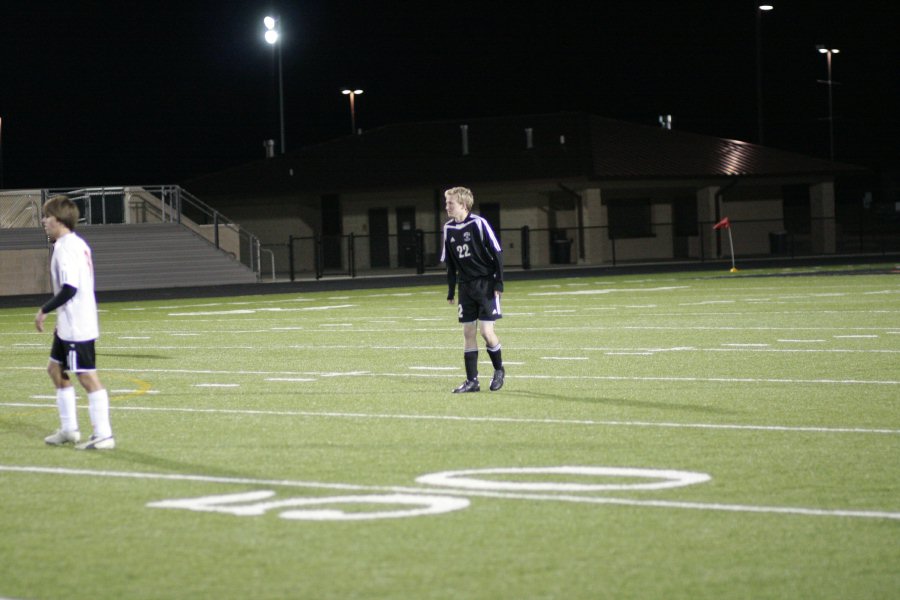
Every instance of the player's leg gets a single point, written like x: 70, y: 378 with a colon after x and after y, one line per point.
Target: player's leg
x: 470, y: 350
x: 65, y: 405
x: 494, y: 350
x: 489, y: 312
x: 65, y: 397
x: 98, y: 399
x: 468, y: 311
x: 470, y: 357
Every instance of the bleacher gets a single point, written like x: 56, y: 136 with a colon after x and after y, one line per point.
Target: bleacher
x: 153, y: 244
x: 158, y: 255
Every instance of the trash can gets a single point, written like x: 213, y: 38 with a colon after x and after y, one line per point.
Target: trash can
x: 560, y: 247
x: 778, y: 242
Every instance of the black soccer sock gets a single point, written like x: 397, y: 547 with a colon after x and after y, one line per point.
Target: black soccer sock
x: 471, y: 359
x: 496, y: 358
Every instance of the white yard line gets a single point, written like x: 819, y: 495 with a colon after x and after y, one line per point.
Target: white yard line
x: 577, y: 377
x: 471, y: 419
x: 216, y: 385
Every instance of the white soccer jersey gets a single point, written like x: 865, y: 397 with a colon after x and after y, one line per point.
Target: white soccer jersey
x: 76, y: 320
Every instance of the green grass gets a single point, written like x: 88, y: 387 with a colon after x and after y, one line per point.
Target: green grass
x: 783, y: 389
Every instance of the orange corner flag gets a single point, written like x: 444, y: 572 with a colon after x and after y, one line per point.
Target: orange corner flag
x: 723, y: 224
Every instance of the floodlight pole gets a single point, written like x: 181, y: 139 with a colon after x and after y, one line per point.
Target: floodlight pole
x: 273, y: 37
x: 352, y: 94
x: 1, y: 153
x: 759, y: 94
x: 828, y: 52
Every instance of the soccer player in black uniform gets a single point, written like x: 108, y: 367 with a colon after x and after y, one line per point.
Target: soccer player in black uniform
x: 473, y: 258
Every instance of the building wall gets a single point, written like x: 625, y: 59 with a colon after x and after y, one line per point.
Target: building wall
x: 24, y: 272
x: 752, y: 222
x: 534, y: 208
x: 273, y: 220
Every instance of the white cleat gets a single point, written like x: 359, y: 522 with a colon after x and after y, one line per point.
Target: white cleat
x: 95, y: 443
x: 63, y: 436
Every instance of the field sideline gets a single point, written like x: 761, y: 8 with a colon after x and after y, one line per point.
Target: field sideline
x: 672, y: 435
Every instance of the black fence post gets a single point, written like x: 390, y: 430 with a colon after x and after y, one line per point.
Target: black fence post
x: 612, y: 238
x: 526, y: 247
x: 291, y: 256
x: 700, y: 227
x: 351, y: 254
x: 318, y: 258
x: 420, y: 252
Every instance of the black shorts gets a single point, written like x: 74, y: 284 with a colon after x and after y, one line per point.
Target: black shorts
x: 77, y: 357
x: 478, y: 302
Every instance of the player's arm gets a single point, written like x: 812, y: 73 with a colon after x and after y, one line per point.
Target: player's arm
x: 495, y: 251
x: 447, y: 258
x: 498, y: 273
x: 451, y: 279
x: 66, y: 293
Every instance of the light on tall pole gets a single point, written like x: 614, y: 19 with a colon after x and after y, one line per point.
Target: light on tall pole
x: 273, y: 37
x: 760, y: 139
x: 828, y: 52
x: 352, y: 94
x: 1, y: 153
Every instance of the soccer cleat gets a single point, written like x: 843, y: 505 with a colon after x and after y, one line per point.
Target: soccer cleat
x: 95, y: 443
x: 497, y: 381
x: 469, y: 385
x: 63, y: 437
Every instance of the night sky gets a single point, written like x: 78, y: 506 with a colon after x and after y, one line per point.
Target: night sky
x: 128, y: 93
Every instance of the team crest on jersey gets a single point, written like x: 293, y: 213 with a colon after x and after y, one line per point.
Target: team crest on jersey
x: 467, y: 237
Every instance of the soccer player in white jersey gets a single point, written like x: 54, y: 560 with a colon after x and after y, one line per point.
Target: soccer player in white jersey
x: 77, y: 327
x: 473, y: 257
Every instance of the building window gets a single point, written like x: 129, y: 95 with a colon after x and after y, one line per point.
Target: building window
x: 629, y: 218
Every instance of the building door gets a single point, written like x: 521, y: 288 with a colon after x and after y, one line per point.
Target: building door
x: 684, y: 225
x: 406, y: 235
x: 332, y: 230
x: 379, y: 242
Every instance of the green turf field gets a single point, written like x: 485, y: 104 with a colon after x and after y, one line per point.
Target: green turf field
x: 695, y: 435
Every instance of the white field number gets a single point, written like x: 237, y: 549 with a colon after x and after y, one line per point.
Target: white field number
x: 402, y: 505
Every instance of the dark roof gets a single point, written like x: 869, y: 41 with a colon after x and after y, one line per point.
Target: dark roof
x: 564, y: 145
x: 627, y: 151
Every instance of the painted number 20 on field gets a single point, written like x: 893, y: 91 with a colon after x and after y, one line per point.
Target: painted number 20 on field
x: 401, y: 503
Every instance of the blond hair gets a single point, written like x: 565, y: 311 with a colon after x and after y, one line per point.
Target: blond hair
x: 464, y: 195
x: 65, y: 211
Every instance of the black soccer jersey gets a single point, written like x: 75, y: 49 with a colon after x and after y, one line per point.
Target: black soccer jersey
x: 471, y: 251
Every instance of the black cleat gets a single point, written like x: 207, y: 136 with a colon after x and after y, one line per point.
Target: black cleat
x: 469, y: 385
x: 497, y: 381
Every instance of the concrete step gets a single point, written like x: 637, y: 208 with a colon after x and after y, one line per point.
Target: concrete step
x: 158, y: 255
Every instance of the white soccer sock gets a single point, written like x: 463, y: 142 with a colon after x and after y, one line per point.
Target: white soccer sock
x: 65, y: 402
x: 98, y: 406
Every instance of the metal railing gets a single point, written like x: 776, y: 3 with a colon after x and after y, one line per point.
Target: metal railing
x: 166, y: 204
x: 527, y: 247
x: 20, y: 209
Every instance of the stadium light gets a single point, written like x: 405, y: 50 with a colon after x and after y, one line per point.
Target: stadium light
x: 352, y: 94
x: 829, y: 52
x: 273, y: 37
x: 1, y: 153
x: 760, y: 138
